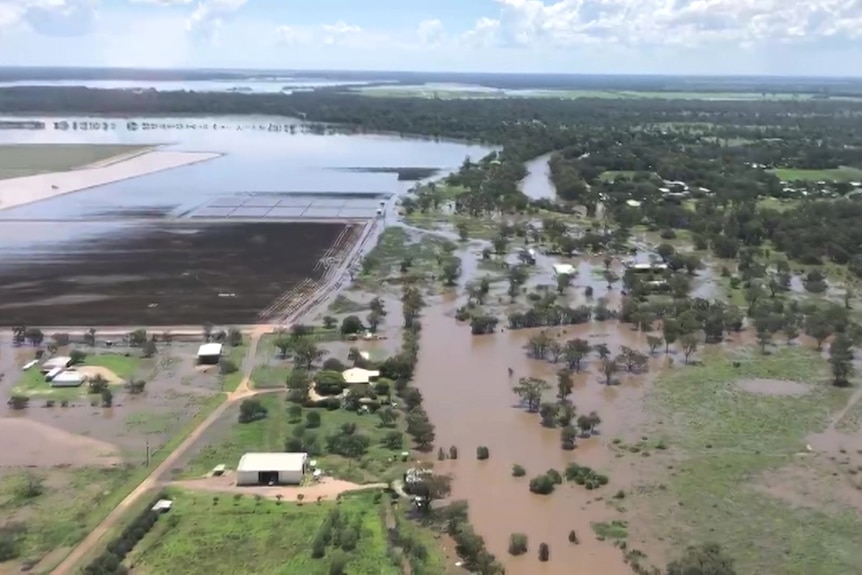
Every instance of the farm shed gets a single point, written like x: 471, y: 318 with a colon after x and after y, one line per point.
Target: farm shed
x: 357, y: 375
x: 271, y: 468
x: 61, y: 361
x: 560, y: 269
x: 68, y: 379
x: 209, y: 353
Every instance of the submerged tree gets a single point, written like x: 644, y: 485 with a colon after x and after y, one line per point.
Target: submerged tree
x: 530, y: 390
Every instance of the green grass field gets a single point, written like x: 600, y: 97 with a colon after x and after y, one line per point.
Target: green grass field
x: 33, y: 382
x: 723, y: 439
x: 842, y: 174
x: 63, y: 513
x: 270, y: 434
x: 203, y: 537
x: 18, y: 160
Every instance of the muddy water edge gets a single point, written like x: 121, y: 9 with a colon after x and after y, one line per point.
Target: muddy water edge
x: 467, y: 389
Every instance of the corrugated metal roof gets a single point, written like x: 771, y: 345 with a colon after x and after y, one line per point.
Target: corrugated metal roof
x: 272, y: 462
x: 358, y: 375
x: 209, y: 349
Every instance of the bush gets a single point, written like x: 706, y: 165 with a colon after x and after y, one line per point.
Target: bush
x: 294, y: 413
x: 543, y: 485
x: 517, y: 544
x: 312, y: 420
x: 482, y: 453
x: 453, y: 452
x: 573, y: 537
x: 333, y: 364
x: 518, y: 471
x: 251, y: 410
x: 227, y: 367
x: 544, y: 552
x: 554, y: 476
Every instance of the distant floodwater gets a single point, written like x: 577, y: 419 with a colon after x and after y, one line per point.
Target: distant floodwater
x: 257, y: 154
x: 250, y: 86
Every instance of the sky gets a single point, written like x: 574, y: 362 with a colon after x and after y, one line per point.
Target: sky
x: 775, y: 37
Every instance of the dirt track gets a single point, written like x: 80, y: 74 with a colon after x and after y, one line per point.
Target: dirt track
x: 326, y: 489
x: 68, y: 565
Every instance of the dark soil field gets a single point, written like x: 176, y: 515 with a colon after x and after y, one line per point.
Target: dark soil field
x: 173, y: 274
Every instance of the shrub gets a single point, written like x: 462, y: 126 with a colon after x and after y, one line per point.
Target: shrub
x: 517, y: 544
x: 453, y: 452
x: 518, y: 471
x: 482, y: 453
x: 544, y: 552
x: 554, y: 476
x: 227, y: 367
x: 573, y: 537
x: 312, y: 420
x: 251, y: 410
x: 543, y: 485
x: 294, y: 413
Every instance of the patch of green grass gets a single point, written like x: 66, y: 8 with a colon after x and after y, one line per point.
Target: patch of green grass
x: 64, y: 513
x: 270, y: 376
x: 842, y: 174
x: 724, y: 438
x: 33, y: 383
x: 777, y: 204
x: 394, y: 246
x: 231, y: 381
x: 271, y: 433
x: 477, y: 228
x: 433, y: 560
x: 201, y: 537
x: 124, y: 366
x: 614, y: 530
x: 149, y: 422
x: 18, y: 160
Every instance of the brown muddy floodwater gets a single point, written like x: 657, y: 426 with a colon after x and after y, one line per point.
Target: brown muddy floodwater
x: 468, y: 395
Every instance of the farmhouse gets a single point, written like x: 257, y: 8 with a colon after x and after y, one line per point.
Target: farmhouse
x: 70, y: 378
x: 60, y: 361
x: 357, y: 375
x: 209, y: 353
x: 271, y: 468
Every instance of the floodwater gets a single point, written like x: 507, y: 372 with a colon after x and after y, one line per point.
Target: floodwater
x: 284, y: 84
x: 467, y: 389
x: 256, y: 158
x: 537, y: 185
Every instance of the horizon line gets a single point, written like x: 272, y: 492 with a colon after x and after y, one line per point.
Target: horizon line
x: 429, y: 72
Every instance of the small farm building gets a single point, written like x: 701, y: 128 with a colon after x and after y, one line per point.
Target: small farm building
x: 61, y: 361
x: 560, y: 269
x: 271, y: 468
x: 357, y: 375
x: 67, y: 379
x: 209, y: 353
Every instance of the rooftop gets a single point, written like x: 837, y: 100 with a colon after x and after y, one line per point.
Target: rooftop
x: 208, y: 349
x: 358, y: 375
x: 271, y: 461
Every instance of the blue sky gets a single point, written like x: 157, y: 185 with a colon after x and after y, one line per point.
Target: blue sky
x: 784, y: 37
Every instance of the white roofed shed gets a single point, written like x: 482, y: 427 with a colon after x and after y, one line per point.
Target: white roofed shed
x: 209, y: 353
x: 275, y: 468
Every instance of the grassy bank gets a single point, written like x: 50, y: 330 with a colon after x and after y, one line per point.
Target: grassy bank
x: 19, y: 160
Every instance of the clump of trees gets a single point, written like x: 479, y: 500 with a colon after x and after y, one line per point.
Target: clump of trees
x: 110, y: 561
x: 251, y: 410
x: 546, y: 483
x: 583, y: 475
x: 517, y: 544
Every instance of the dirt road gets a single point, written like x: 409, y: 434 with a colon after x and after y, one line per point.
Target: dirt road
x: 67, y: 566
x: 327, y: 489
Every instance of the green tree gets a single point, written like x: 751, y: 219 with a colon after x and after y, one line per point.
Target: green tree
x: 530, y: 390
x: 841, y: 360
x: 565, y: 384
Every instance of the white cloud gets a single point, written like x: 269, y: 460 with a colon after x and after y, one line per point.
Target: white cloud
x: 49, y: 17
x: 209, y: 15
x: 565, y: 23
x: 339, y: 32
x: 430, y: 32
x: 483, y: 34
